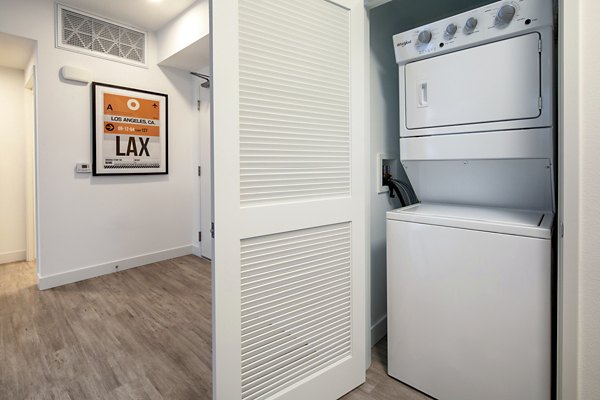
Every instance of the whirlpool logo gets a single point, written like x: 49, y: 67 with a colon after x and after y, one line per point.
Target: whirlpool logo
x: 403, y: 44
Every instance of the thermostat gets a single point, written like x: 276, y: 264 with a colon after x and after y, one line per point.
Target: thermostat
x: 83, y: 168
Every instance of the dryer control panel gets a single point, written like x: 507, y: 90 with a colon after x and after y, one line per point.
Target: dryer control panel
x: 482, y: 25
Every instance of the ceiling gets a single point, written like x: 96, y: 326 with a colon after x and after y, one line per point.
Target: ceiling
x: 150, y: 15
x: 15, y: 51
x: 192, y: 58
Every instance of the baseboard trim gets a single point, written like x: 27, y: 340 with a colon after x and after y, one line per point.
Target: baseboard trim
x: 197, y: 250
x: 13, y: 256
x: 378, y: 330
x: 76, y: 275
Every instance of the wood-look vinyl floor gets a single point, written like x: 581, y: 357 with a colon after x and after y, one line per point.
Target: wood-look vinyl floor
x: 143, y: 333
x: 379, y: 385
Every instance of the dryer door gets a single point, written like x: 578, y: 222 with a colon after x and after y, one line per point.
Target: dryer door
x: 499, y: 81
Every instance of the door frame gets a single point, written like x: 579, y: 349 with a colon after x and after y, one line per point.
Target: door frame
x: 205, y: 164
x: 569, y: 137
x: 31, y: 172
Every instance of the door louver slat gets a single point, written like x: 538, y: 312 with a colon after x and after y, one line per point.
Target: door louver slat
x: 295, y: 306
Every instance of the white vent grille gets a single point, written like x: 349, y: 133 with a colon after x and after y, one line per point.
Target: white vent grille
x: 294, y: 101
x: 295, y: 306
x: 91, y: 35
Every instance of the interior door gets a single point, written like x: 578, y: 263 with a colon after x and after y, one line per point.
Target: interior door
x: 289, y: 168
x: 495, y: 82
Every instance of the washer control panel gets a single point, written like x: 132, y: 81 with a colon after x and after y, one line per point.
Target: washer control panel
x: 484, y: 24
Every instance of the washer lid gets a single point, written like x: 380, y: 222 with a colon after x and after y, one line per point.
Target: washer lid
x: 498, y: 220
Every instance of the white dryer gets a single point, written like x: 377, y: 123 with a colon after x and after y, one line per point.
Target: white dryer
x: 469, y: 269
x: 477, y: 108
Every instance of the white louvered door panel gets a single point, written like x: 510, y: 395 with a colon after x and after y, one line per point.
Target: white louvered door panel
x: 294, y: 101
x: 295, y: 306
x: 289, y: 155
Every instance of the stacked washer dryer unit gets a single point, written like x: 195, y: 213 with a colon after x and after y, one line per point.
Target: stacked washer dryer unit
x: 469, y: 268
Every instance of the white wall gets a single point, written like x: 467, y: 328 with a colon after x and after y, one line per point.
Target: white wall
x: 183, y: 44
x: 87, y: 225
x: 589, y: 270
x: 12, y: 165
x: 189, y: 27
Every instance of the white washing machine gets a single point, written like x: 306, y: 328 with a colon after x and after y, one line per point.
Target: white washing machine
x: 469, y: 268
x: 469, y: 301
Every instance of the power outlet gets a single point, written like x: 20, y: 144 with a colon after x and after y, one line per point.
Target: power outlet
x: 386, y: 163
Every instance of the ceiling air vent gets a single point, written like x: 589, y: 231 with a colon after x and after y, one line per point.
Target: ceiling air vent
x: 83, y: 33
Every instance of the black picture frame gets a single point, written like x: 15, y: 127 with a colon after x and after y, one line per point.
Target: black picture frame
x: 104, y: 163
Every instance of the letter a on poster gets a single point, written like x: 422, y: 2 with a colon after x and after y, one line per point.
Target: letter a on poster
x: 130, y: 131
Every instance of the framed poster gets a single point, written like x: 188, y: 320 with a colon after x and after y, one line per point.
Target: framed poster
x: 130, y: 131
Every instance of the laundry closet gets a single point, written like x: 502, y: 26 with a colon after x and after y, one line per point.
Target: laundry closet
x: 470, y: 264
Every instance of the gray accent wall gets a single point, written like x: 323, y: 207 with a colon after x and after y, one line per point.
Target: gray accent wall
x: 385, y: 21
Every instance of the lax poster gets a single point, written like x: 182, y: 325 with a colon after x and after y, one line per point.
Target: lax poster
x: 130, y: 131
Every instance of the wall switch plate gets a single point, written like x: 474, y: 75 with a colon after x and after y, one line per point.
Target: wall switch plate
x: 83, y: 168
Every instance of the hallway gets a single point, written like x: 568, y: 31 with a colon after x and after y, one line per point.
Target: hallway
x: 144, y: 333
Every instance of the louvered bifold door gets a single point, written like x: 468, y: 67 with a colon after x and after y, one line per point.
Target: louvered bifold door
x: 289, y: 165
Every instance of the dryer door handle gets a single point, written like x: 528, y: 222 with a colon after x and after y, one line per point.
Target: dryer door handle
x: 423, y: 94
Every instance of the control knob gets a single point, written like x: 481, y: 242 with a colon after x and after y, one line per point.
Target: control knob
x: 471, y: 24
x: 451, y: 30
x: 424, y: 36
x: 505, y: 14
